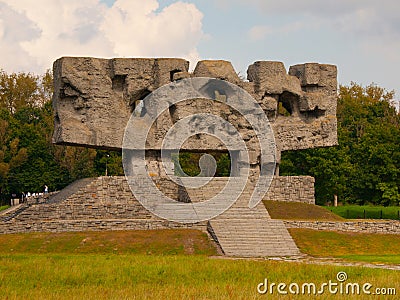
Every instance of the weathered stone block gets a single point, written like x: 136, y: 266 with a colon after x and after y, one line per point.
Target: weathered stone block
x: 314, y: 76
x: 219, y: 69
x: 270, y: 77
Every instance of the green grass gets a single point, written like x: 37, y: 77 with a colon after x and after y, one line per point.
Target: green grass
x: 162, y: 277
x: 4, y: 207
x: 371, y: 212
x: 174, y: 264
x: 380, y: 248
x: 299, y: 211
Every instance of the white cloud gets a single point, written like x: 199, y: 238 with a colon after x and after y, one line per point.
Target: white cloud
x: 35, y: 33
x: 14, y: 28
x: 138, y: 30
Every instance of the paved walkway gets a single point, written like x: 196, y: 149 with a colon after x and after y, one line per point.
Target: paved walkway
x: 322, y: 261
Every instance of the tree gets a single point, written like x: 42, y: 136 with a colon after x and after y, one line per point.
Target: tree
x: 365, y: 166
x: 28, y: 159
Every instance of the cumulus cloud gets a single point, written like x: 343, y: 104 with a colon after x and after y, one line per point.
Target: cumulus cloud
x: 35, y: 33
x: 137, y: 29
x: 12, y: 56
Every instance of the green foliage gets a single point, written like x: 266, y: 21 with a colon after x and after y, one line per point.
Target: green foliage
x: 365, y: 166
x: 189, y: 163
x: 110, y: 159
x: 28, y: 159
x: 4, y: 207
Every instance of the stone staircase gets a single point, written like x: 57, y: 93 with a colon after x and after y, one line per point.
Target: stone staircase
x: 241, y: 231
x: 12, y: 212
x: 212, y: 188
x: 257, y: 237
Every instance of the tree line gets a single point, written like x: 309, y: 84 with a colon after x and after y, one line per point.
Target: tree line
x: 363, y: 168
x: 28, y: 159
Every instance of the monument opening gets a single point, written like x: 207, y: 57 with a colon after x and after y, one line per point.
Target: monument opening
x: 202, y: 164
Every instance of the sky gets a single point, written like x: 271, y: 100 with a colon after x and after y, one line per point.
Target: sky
x: 361, y: 37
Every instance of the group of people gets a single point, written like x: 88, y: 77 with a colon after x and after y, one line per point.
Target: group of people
x: 24, y: 197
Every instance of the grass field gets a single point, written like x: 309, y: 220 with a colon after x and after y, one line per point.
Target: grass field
x: 371, y: 212
x: 172, y: 264
x: 163, y: 277
x: 377, y: 248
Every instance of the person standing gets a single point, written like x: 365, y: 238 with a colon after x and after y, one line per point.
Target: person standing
x: 46, y: 189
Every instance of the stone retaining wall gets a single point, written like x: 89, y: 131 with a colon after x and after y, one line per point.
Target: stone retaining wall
x: 282, y: 188
x: 357, y: 226
x: 107, y: 203
x: 292, y: 189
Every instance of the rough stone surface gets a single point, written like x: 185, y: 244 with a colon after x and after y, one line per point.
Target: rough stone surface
x: 216, y: 69
x: 292, y: 189
x: 94, y: 98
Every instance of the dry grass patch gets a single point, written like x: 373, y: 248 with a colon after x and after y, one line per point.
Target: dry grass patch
x: 299, y: 211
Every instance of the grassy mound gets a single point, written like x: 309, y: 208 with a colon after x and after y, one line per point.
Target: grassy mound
x: 160, y: 242
x: 355, y: 246
x: 299, y: 211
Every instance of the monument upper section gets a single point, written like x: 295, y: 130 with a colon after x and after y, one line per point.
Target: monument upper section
x: 94, y: 99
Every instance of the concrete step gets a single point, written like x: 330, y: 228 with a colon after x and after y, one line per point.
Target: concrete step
x: 253, y: 237
x: 241, y: 231
x: 12, y: 213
